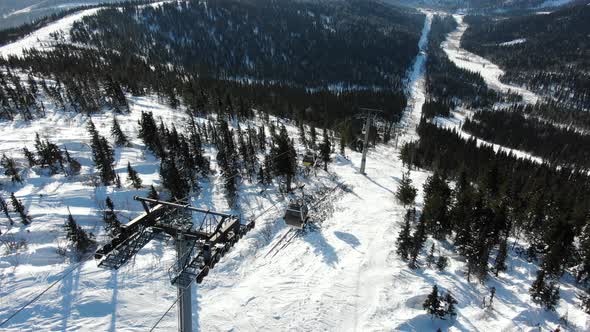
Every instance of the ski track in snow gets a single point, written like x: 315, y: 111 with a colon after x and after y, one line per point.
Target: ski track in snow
x: 416, y: 86
x: 489, y: 71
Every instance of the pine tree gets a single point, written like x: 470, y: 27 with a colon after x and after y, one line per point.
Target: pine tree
x: 102, y: 155
x: 133, y: 177
x: 417, y: 242
x: 4, y: 208
x: 112, y: 224
x: 404, y: 239
x: 18, y: 207
x: 172, y: 179
x: 30, y: 157
x: 284, y: 157
x: 430, y: 258
x: 450, y: 303
x: 302, y: 135
x: 543, y: 293
x: 81, y: 240
x: 313, y: 135
x: 153, y: 194
x: 500, y: 263
x: 325, y: 150
x: 10, y: 169
x: 406, y: 192
x: 117, y: 133
x: 74, y: 166
x: 436, y: 204
x: 442, y: 262
x: 148, y: 132
x: 432, y: 304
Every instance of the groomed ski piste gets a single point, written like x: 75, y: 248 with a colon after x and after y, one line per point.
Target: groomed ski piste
x: 344, y: 276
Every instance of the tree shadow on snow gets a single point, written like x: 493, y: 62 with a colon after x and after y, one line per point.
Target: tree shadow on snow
x: 321, y: 247
x: 352, y: 240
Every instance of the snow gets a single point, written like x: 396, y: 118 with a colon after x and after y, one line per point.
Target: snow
x: 416, y: 85
x: 490, y: 72
x: 456, y: 120
x: 42, y: 37
x: 554, y: 3
x: 513, y: 42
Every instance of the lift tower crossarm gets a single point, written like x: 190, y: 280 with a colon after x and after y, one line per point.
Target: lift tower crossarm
x: 182, y: 206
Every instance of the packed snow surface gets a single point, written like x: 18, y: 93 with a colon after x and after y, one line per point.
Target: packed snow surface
x: 42, y: 38
x: 490, y: 72
x: 513, y: 42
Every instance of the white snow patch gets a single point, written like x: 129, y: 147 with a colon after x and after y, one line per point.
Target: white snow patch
x: 490, y: 72
x: 513, y: 42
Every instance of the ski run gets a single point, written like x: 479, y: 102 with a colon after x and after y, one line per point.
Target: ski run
x: 345, y: 276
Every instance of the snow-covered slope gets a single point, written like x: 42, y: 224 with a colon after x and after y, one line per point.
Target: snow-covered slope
x: 489, y: 71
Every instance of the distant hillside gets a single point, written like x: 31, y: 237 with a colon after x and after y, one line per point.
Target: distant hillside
x: 16, y: 12
x: 548, y: 52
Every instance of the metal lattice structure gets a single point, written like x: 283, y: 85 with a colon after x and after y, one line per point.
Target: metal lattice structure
x: 202, y: 238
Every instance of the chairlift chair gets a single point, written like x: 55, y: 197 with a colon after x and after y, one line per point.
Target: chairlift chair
x: 308, y: 159
x: 296, y: 214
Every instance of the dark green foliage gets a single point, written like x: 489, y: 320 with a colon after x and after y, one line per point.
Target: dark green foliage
x: 10, y: 169
x: 406, y: 192
x: 325, y: 150
x: 81, y: 240
x: 103, y: 156
x: 19, y: 208
x: 543, y: 292
x: 500, y: 262
x: 4, y: 209
x: 133, y: 177
x: 283, y: 155
x: 442, y: 262
x: 30, y: 156
x: 49, y: 155
x: 172, y: 178
x: 433, y: 305
x: 112, y: 223
x: 120, y: 137
x: 436, y: 205
x: 430, y: 258
x: 148, y: 132
x: 417, y: 242
x: 74, y: 166
x: 513, y: 129
x: 404, y: 239
x: 432, y: 108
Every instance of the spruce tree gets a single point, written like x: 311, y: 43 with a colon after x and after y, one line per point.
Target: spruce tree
x: 325, y: 150
x: 102, y: 155
x: 500, y: 262
x: 442, y: 262
x: 172, y: 178
x: 543, y: 293
x: 153, y: 194
x: 30, y: 157
x: 133, y: 177
x: 430, y: 258
x: 406, y: 193
x: 5, y: 210
x: 120, y: 137
x: 81, y: 240
x: 10, y: 169
x: 436, y: 204
x: 432, y: 304
x: 18, y: 207
x: 417, y: 242
x: 404, y: 239
x: 74, y: 166
x: 112, y: 224
x: 450, y: 303
x: 148, y: 132
x: 284, y: 157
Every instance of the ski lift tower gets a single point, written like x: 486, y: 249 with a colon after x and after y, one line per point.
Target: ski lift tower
x: 199, y: 245
x: 369, y: 120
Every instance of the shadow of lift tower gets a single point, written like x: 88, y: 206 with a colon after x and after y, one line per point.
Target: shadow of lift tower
x: 198, y: 247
